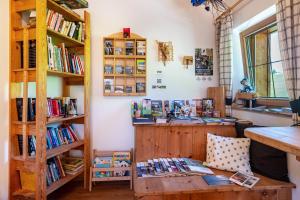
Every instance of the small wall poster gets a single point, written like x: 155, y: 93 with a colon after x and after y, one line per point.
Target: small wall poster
x: 203, y: 62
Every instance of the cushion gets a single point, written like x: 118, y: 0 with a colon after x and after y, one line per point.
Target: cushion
x: 263, y: 156
x: 230, y: 154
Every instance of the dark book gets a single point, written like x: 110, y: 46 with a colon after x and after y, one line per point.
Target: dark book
x: 31, y: 145
x: 140, y: 87
x: 216, y: 180
x: 31, y: 111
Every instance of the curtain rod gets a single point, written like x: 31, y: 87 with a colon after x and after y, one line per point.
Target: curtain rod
x: 229, y: 9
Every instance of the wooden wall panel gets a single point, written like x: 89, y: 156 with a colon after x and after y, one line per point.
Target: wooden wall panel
x: 175, y: 141
x: 160, y: 141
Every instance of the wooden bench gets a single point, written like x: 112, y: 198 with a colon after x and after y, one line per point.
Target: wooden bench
x: 190, y: 141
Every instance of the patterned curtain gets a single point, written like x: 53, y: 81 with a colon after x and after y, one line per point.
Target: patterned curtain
x: 224, y: 53
x: 288, y: 22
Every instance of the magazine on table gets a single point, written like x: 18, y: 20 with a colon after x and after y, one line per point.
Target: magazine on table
x: 244, y: 179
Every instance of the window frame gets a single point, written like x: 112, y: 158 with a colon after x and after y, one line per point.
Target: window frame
x: 266, y: 23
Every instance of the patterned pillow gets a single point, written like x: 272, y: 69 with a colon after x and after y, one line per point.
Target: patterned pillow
x: 230, y: 154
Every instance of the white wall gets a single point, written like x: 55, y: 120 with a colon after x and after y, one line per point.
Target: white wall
x: 4, y: 85
x: 242, y: 21
x: 168, y: 20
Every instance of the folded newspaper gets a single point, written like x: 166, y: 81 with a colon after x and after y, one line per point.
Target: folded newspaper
x: 162, y: 167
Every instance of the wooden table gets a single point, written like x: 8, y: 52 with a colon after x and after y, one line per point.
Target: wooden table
x: 195, y: 188
x: 284, y: 138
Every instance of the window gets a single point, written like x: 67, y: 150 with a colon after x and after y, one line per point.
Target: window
x: 262, y: 59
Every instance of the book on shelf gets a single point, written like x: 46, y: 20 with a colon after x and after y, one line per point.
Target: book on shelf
x: 109, y: 85
x: 243, y: 179
x: 119, y: 69
x: 62, y: 135
x: 103, y: 162
x: 74, y: 4
x: 56, y: 22
x: 108, y: 69
x: 146, y: 108
x: 129, y: 89
x: 121, y: 159
x: 160, y: 167
x: 108, y: 47
x: 54, y: 171
x: 118, y: 51
x: 129, y: 48
x: 31, y: 109
x: 119, y: 89
x: 129, y: 70
x: 141, y: 66
x: 31, y: 142
x: 141, y: 48
x: 62, y: 59
x: 157, y: 108
x: 207, y: 107
x: 140, y: 87
x: 61, y: 107
x: 72, y: 165
x: 31, y: 55
x: 216, y: 180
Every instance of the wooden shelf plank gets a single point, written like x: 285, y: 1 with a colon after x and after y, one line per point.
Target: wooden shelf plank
x: 67, y: 13
x: 61, y: 38
x: 64, y: 74
x: 283, y: 138
x: 52, y: 152
x: 51, y: 120
x: 62, y: 149
x: 19, y: 34
x: 57, y: 120
x: 62, y: 182
x: 24, y: 193
x: 121, y: 178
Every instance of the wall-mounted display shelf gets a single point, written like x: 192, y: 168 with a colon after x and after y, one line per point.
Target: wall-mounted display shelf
x: 124, y: 65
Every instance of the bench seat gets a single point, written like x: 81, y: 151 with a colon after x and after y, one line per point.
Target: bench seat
x: 194, y: 187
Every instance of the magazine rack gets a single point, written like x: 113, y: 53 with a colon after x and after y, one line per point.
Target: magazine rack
x: 93, y: 169
x: 124, y: 65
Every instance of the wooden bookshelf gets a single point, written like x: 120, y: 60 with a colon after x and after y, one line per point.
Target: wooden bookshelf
x: 20, y: 77
x: 125, y: 54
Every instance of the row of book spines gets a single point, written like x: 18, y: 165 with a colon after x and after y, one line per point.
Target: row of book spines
x: 56, y: 22
x: 59, y: 107
x: 60, y: 59
x: 55, y: 170
x: 57, y: 137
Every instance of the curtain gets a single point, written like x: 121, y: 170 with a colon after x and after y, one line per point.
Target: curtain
x: 288, y: 22
x: 224, y: 53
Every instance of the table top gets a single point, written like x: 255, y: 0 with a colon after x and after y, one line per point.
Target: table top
x: 284, y: 138
x: 195, y: 184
